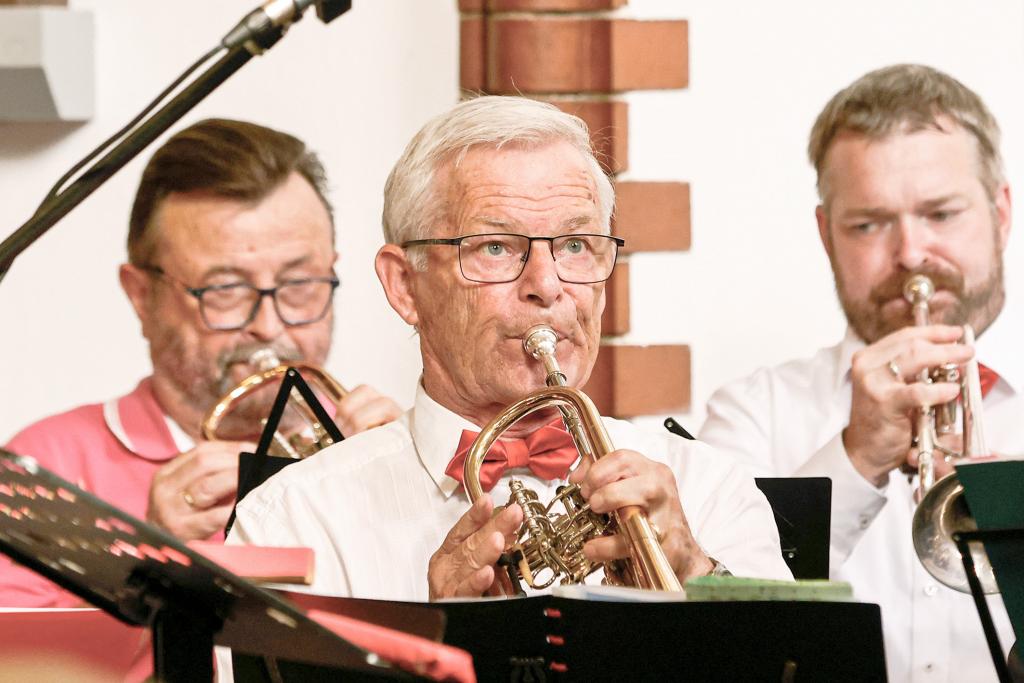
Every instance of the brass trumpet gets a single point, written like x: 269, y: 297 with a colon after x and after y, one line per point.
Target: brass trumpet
x: 296, y: 446
x: 942, y: 509
x: 552, y: 542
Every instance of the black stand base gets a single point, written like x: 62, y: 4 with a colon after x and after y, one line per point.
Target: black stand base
x: 182, y: 648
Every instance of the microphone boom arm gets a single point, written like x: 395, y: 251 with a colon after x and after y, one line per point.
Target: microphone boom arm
x: 262, y: 37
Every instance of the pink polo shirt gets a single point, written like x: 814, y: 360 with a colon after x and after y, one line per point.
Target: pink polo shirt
x: 111, y: 450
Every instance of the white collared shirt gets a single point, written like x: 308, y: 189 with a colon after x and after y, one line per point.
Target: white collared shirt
x: 376, y: 506
x: 788, y: 420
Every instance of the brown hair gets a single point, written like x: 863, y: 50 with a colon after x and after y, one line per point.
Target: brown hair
x: 907, y: 97
x: 225, y: 158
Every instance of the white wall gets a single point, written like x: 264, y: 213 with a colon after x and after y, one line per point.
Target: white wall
x: 754, y: 290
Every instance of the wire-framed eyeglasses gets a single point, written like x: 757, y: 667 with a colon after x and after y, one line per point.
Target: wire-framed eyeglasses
x: 233, y: 306
x: 580, y: 258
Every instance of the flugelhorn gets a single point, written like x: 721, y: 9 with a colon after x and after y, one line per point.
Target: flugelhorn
x: 550, y: 543
x: 942, y: 509
x: 301, y: 444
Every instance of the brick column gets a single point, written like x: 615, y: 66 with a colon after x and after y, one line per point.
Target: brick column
x: 581, y: 56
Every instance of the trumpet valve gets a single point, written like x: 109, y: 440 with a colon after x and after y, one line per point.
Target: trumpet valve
x: 946, y: 414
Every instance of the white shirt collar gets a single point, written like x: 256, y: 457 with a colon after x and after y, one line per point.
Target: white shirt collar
x: 436, y: 432
x: 182, y: 440
x: 135, y: 419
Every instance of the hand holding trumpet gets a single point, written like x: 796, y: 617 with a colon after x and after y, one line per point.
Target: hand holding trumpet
x: 464, y: 564
x: 886, y: 395
x: 625, y: 478
x: 192, y: 495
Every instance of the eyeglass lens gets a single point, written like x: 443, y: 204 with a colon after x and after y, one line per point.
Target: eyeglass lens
x: 298, y: 302
x: 501, y: 257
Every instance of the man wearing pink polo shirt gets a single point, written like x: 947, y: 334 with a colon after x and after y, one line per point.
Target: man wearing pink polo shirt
x: 230, y: 252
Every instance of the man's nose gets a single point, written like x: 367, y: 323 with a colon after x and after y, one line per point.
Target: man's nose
x: 539, y: 281
x: 266, y: 325
x: 913, y: 239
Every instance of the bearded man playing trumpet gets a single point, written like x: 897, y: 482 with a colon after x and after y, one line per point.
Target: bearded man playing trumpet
x: 230, y: 255
x: 911, y: 183
x: 496, y: 220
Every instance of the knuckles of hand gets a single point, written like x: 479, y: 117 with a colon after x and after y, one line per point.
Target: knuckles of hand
x: 859, y: 365
x: 627, y: 474
x: 917, y: 349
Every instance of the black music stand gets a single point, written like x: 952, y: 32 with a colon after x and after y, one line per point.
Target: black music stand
x: 803, y: 514
x: 256, y: 468
x: 994, y: 497
x: 546, y: 638
x: 145, y: 577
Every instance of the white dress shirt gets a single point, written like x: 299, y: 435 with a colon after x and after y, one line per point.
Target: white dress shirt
x: 788, y: 420
x: 376, y: 506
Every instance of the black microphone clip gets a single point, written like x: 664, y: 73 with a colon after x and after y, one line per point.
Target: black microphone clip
x: 265, y: 25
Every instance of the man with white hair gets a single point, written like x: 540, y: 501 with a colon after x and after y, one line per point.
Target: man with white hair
x: 497, y: 219
x: 911, y: 182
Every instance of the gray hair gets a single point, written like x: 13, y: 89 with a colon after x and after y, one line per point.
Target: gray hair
x: 907, y: 97
x: 411, y: 202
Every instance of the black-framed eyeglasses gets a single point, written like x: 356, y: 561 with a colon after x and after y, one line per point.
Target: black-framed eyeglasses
x: 580, y: 258
x: 233, y: 306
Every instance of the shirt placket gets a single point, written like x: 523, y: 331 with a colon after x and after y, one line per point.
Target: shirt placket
x: 930, y: 656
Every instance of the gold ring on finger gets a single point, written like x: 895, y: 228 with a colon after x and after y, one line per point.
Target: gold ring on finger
x: 895, y: 370
x: 189, y: 500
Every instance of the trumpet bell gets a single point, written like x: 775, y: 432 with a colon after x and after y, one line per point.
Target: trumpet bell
x: 942, y: 512
x: 300, y: 445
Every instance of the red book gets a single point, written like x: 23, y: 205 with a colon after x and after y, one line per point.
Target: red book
x: 420, y: 656
x: 261, y: 564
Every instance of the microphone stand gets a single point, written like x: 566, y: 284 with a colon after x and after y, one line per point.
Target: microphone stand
x: 258, y: 36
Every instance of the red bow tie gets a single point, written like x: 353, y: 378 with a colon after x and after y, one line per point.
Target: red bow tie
x: 988, y: 378
x: 549, y: 453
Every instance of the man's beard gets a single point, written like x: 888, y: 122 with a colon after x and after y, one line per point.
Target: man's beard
x: 979, y: 306
x: 203, y: 381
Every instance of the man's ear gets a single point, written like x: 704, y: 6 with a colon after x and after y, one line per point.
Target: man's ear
x: 826, y: 240
x: 137, y: 285
x: 1002, y: 206
x: 395, y: 274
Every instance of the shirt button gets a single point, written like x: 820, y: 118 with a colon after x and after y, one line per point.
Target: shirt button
x: 865, y: 521
x: 929, y: 667
x: 930, y: 590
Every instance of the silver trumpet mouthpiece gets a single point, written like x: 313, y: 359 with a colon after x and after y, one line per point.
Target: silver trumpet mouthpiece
x: 540, y: 341
x: 918, y: 288
x: 264, y: 359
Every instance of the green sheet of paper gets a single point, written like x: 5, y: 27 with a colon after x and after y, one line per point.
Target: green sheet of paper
x: 740, y: 588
